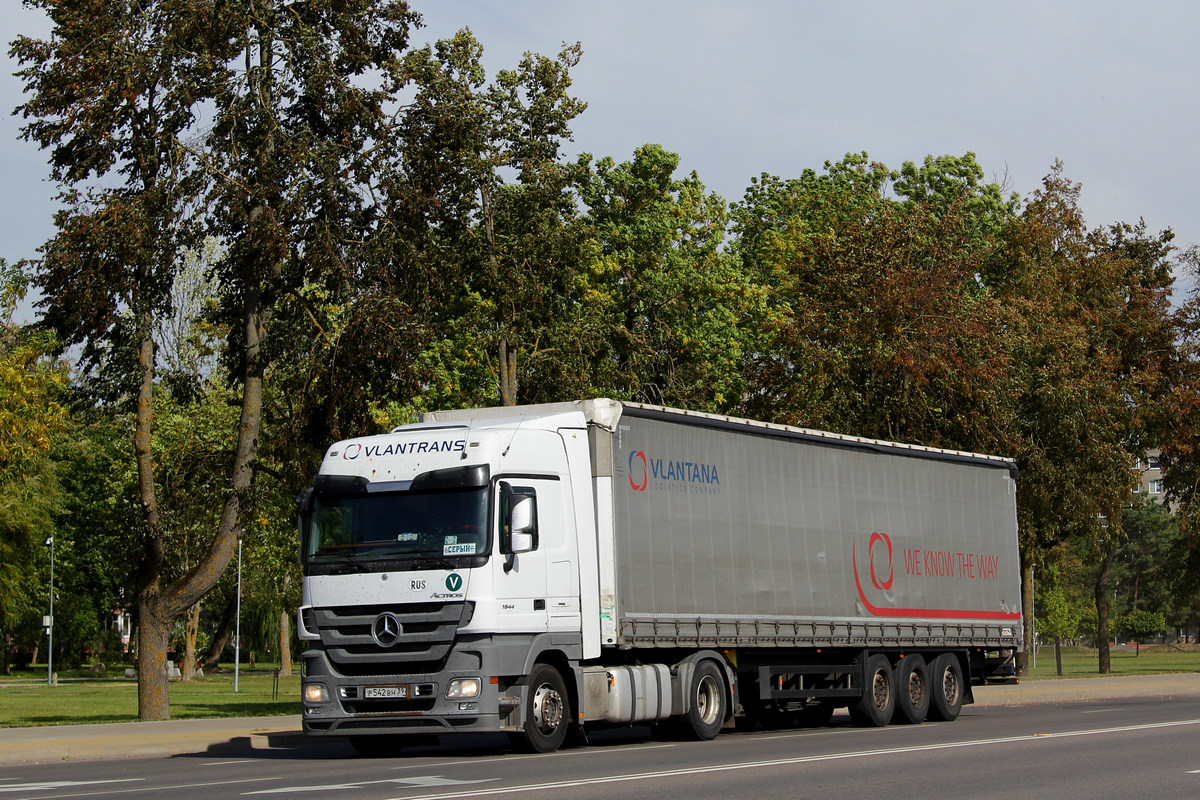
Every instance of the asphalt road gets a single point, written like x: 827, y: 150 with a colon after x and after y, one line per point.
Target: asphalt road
x: 1117, y: 748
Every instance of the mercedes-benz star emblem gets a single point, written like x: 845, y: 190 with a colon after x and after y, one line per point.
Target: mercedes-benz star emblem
x: 386, y: 629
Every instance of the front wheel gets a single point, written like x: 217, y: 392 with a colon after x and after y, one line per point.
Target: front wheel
x: 706, y: 711
x: 547, y: 711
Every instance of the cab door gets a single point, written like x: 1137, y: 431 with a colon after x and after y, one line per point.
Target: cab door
x: 537, y: 587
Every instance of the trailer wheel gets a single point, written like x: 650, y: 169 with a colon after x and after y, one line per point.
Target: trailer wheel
x: 912, y: 690
x: 706, y: 711
x: 874, y: 709
x: 547, y: 711
x: 947, y: 688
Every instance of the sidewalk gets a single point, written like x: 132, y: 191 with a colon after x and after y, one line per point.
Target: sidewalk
x: 129, y: 739
x: 241, y: 735
x: 1073, y: 690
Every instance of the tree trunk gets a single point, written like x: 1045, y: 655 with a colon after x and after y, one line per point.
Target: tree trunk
x: 1027, y: 616
x: 187, y: 667
x: 154, y: 614
x: 285, y: 644
x: 508, y: 374
x: 153, y: 631
x: 1102, y: 609
x: 285, y: 633
x: 216, y: 646
x: 1058, y: 655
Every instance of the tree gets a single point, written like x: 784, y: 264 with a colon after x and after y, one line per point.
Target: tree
x: 1057, y: 619
x: 1148, y: 569
x: 1180, y: 421
x: 1142, y: 625
x: 32, y: 417
x: 116, y: 93
x: 488, y: 209
x: 879, y: 325
x: 677, y: 311
x: 1089, y: 336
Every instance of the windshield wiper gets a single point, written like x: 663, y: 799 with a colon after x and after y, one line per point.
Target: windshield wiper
x: 431, y: 562
x: 344, y: 563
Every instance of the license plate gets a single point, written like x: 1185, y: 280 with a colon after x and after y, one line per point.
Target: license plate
x: 385, y: 692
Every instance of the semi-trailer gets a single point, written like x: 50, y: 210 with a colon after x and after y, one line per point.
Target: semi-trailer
x: 534, y: 569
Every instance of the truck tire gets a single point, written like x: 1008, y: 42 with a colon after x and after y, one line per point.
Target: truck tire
x: 547, y: 711
x: 874, y: 709
x: 706, y: 711
x: 946, y: 688
x: 912, y: 690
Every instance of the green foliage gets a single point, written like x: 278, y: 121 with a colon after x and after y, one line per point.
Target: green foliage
x: 33, y: 418
x: 1141, y: 625
x: 879, y: 325
x: 1058, y: 618
x: 675, y: 309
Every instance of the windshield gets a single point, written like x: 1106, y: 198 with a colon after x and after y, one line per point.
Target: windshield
x: 397, y: 525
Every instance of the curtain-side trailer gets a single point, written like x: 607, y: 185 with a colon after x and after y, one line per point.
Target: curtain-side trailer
x: 535, y: 569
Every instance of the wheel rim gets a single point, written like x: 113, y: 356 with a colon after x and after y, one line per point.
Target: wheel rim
x: 708, y: 702
x: 547, y: 709
x: 881, y: 690
x: 916, y: 690
x: 950, y: 686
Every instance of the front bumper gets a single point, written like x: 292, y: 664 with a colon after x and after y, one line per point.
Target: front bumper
x: 424, y: 708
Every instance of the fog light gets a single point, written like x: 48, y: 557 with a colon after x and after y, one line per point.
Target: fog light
x: 463, y: 687
x: 315, y: 693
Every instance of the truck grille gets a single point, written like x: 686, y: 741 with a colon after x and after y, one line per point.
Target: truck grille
x: 429, y: 632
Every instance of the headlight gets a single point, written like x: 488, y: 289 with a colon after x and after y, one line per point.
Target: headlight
x: 315, y: 693
x: 463, y: 687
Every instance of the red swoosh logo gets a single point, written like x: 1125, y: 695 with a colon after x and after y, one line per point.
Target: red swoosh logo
x: 935, y: 613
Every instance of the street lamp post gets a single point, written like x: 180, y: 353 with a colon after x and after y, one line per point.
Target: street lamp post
x: 237, y: 636
x: 50, y: 621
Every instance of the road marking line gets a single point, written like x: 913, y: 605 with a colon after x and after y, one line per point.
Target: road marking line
x: 744, y: 765
x: 226, y: 763
x: 431, y: 762
x: 36, y: 786
x: 168, y: 788
x: 415, y: 782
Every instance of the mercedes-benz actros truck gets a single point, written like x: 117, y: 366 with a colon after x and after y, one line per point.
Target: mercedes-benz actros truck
x: 539, y: 570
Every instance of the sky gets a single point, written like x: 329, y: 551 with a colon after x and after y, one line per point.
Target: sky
x: 737, y: 89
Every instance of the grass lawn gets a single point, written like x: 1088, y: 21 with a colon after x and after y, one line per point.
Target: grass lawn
x: 1083, y: 662
x: 82, y: 696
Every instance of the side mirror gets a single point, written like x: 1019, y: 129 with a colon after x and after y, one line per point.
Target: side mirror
x: 522, y: 525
